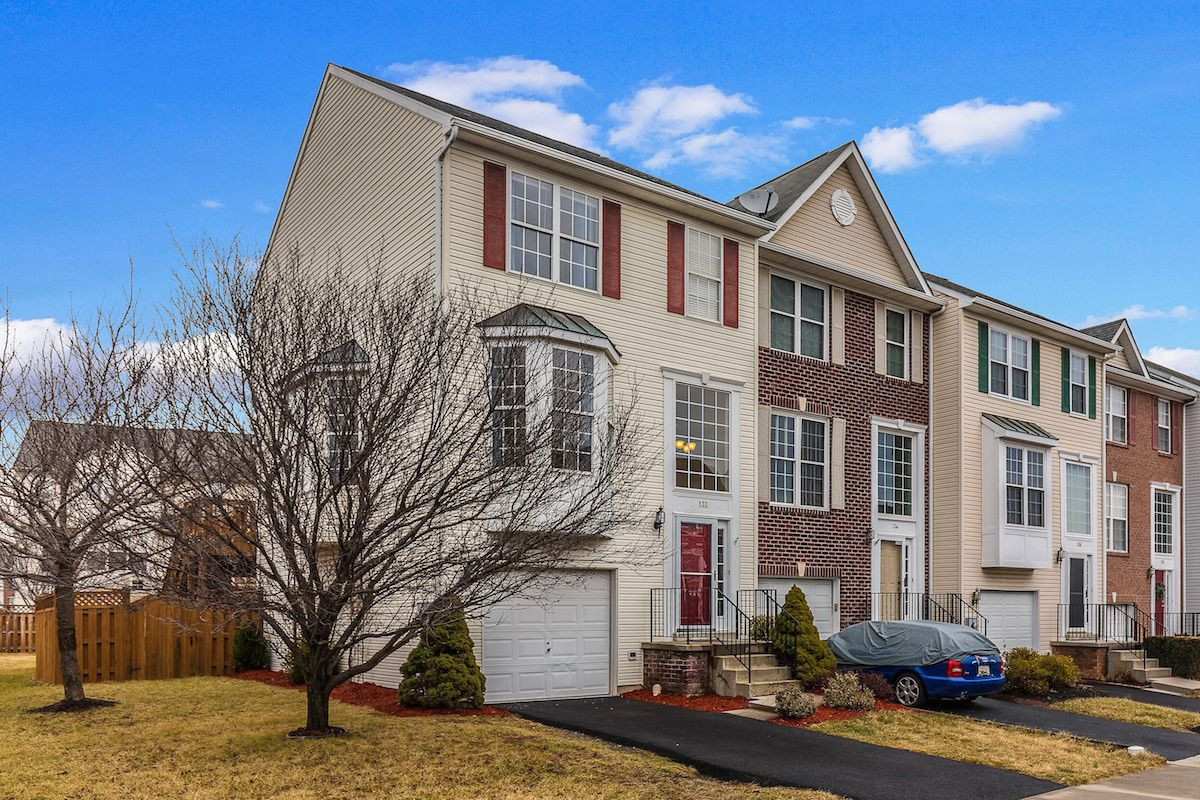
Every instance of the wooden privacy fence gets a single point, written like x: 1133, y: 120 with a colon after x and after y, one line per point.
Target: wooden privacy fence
x: 140, y: 640
x: 17, y: 630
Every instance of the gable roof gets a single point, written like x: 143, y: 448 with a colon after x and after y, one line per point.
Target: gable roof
x: 1119, y: 332
x: 797, y: 185
x: 1105, y: 330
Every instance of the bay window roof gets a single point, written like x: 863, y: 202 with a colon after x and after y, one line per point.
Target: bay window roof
x: 530, y: 319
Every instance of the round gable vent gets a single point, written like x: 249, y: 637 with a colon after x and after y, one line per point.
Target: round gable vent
x: 842, y: 204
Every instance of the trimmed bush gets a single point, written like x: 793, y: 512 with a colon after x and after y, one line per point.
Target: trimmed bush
x: 441, y: 671
x: 1037, y: 674
x: 844, y: 690
x: 250, y: 649
x: 794, y: 703
x: 796, y: 641
x: 879, y: 685
x: 1180, y: 653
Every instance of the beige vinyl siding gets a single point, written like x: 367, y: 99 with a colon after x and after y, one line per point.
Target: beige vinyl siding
x: 1191, y: 507
x: 1075, y: 435
x: 946, y: 449
x: 1121, y: 361
x: 650, y: 340
x: 363, y: 187
x: 813, y: 230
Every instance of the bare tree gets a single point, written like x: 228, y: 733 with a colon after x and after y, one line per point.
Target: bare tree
x: 69, y: 495
x: 401, y: 457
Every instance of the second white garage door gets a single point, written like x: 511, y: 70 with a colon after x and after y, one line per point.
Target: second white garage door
x: 821, y: 597
x: 1011, y: 618
x: 552, y: 648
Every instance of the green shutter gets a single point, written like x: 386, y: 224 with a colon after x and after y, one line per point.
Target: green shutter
x: 1066, y: 381
x: 1035, y: 372
x: 983, y: 357
x: 1091, y: 387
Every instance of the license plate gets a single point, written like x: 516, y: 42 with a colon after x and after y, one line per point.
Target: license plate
x: 985, y: 670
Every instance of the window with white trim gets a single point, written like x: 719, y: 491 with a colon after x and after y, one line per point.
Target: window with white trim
x: 894, y: 474
x: 799, y: 450
x: 1164, y: 426
x: 573, y: 381
x: 702, y: 425
x: 342, y: 412
x: 1116, y: 517
x: 1116, y: 414
x: 1025, y: 487
x: 539, y: 235
x: 797, y: 327
x: 1008, y: 356
x: 703, y: 259
x: 896, y: 342
x: 1077, y: 499
x: 1079, y: 384
x: 508, y: 386
x: 1164, y: 523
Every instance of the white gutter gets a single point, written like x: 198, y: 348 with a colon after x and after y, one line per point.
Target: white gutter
x: 451, y: 133
x: 1000, y: 309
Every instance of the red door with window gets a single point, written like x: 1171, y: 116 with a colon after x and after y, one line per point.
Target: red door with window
x: 1160, y: 601
x: 695, y: 573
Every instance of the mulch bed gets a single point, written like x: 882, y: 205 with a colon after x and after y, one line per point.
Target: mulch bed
x: 827, y: 714
x: 703, y: 702
x: 371, y: 695
x: 1081, y: 690
x: 73, y: 706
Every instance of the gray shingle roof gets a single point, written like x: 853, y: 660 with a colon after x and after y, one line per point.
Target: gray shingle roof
x: 1105, y: 330
x: 1020, y: 426
x: 958, y: 287
x: 527, y: 315
x: 793, y: 183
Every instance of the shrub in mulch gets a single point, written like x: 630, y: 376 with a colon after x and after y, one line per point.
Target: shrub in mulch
x: 73, y: 706
x: 373, y: 696
x: 1042, y: 677
x: 826, y: 714
x: 843, y: 690
x: 702, y: 702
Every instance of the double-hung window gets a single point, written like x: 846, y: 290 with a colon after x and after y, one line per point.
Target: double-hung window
x: 573, y: 379
x: 1077, y: 499
x: 1116, y: 414
x: 1164, y: 523
x: 1079, y: 384
x: 799, y: 461
x: 538, y: 232
x: 1025, y: 487
x: 1116, y: 516
x: 702, y: 426
x: 797, y: 322
x: 704, y: 263
x: 896, y: 342
x: 1164, y: 426
x: 894, y: 474
x: 342, y: 412
x: 508, y: 388
x: 1009, y: 364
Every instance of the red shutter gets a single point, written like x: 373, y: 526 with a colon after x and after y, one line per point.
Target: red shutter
x: 495, y: 215
x: 610, y: 257
x: 729, y: 286
x: 1176, y: 428
x: 675, y: 245
x: 1131, y: 398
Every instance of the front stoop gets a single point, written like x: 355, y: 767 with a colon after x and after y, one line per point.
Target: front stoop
x: 1149, y: 671
x: 1180, y: 686
x: 766, y: 676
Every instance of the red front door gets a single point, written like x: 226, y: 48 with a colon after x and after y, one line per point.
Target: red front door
x: 1160, y: 600
x: 695, y: 573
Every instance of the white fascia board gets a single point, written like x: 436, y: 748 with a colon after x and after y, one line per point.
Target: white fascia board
x: 848, y: 277
x: 990, y: 308
x: 1172, y: 391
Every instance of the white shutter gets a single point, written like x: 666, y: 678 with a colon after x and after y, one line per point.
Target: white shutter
x: 764, y: 454
x: 880, y: 338
x: 916, y: 333
x: 837, y: 466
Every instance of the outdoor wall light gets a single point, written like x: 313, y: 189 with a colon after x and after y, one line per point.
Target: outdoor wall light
x: 1058, y: 557
x: 659, y: 519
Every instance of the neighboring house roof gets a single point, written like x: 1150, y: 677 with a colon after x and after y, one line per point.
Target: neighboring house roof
x: 792, y: 185
x: 1105, y: 330
x: 1020, y: 426
x: 528, y: 315
x: 1174, y: 375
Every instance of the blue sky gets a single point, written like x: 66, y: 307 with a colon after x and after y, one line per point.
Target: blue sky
x: 1048, y: 158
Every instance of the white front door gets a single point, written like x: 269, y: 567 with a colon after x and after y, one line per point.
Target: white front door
x: 897, y: 509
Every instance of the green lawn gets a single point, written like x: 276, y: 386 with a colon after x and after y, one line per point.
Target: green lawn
x: 223, y: 738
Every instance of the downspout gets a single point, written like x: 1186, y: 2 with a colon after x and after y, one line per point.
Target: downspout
x: 451, y: 133
x: 929, y: 459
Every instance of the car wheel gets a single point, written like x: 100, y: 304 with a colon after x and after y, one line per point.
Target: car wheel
x: 910, y: 691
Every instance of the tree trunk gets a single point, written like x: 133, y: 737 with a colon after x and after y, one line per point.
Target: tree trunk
x: 68, y: 657
x: 318, y: 691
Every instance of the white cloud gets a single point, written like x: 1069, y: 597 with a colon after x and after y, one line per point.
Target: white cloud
x: 977, y: 127
x: 808, y: 123
x: 1138, y: 311
x: 526, y: 92
x: 261, y: 207
x: 890, y: 149
x: 211, y: 203
x: 1183, y: 359
x: 23, y: 338
x: 722, y: 154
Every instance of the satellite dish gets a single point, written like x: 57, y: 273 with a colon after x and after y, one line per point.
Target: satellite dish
x: 759, y: 201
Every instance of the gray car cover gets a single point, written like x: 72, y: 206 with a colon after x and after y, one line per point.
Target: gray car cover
x: 907, y: 643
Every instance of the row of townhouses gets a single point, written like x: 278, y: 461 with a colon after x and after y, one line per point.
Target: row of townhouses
x: 895, y: 443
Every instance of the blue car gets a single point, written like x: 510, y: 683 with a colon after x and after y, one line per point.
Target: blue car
x: 923, y: 660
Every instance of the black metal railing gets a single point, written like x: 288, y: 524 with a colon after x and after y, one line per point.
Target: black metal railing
x: 707, y: 616
x: 1102, y: 622
x: 945, y: 607
x: 1174, y: 623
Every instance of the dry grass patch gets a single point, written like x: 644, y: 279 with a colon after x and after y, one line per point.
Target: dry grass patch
x: 221, y: 738
x: 1052, y: 756
x: 1125, y: 710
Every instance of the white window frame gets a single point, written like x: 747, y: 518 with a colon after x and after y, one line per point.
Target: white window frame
x: 687, y: 274
x: 1163, y: 406
x: 1009, y: 366
x: 1090, y: 465
x: 588, y: 415
x: 799, y: 420
x: 1025, y: 450
x: 914, y: 501
x: 342, y: 445
x: 555, y: 230
x: 798, y: 319
x: 1155, y: 491
x: 1071, y: 384
x: 1110, y: 415
x: 1110, y: 491
x: 906, y: 345
x: 731, y: 453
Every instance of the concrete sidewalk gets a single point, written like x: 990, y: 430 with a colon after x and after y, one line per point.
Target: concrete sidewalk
x: 1178, y: 780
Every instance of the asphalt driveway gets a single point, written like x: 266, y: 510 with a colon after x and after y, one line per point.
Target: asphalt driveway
x: 732, y: 747
x: 1171, y: 745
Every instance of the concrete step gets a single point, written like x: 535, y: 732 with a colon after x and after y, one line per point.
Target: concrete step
x: 760, y: 674
x: 756, y: 661
x: 1146, y: 675
x: 760, y: 688
x: 1180, y: 686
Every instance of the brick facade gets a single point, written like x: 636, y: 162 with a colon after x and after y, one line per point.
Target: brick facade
x: 1137, y: 465
x: 685, y: 671
x: 1091, y: 658
x: 837, y: 541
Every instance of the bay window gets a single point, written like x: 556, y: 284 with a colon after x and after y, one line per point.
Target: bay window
x: 573, y: 381
x: 1025, y: 487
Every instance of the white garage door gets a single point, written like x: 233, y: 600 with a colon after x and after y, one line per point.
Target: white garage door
x: 551, y: 648
x: 822, y: 599
x: 1011, y: 618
